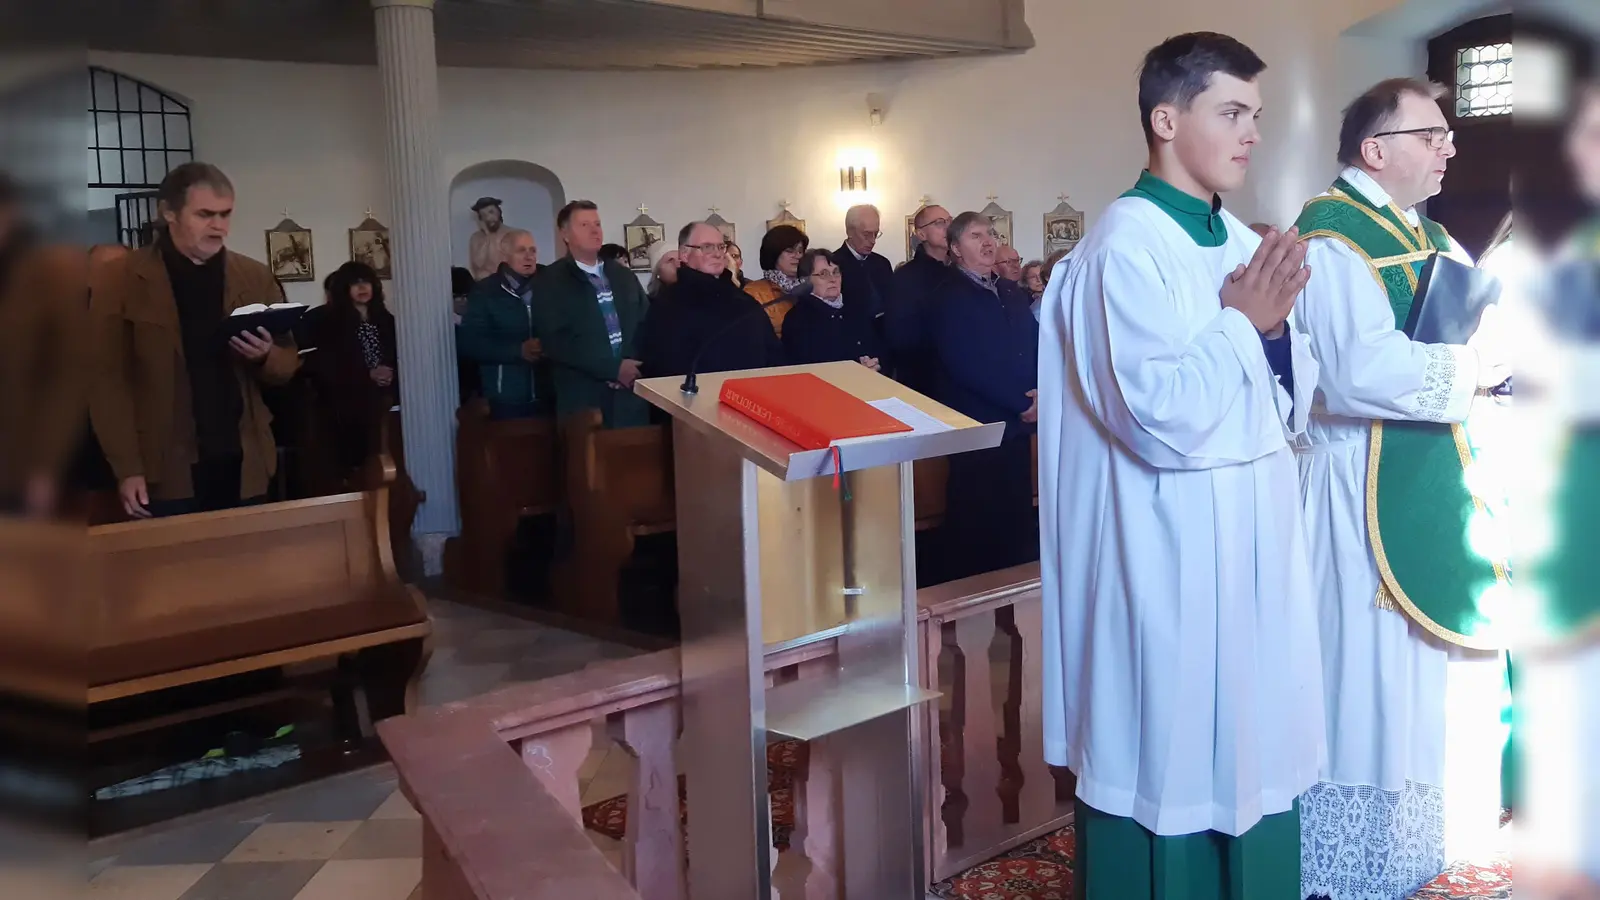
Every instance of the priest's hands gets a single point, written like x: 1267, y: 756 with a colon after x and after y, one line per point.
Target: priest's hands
x: 1265, y: 290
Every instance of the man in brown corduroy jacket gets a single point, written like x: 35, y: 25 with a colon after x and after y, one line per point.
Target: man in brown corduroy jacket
x: 177, y: 408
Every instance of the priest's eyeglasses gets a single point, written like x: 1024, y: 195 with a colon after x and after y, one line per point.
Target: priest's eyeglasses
x: 710, y: 249
x: 1437, y: 136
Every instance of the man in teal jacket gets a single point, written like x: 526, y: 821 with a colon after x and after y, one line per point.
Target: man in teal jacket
x: 498, y: 332
x: 588, y: 313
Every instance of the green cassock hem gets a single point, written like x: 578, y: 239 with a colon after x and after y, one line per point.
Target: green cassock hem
x: 1119, y: 859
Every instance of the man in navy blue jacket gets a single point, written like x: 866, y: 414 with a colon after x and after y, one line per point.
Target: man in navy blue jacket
x: 984, y: 343
x: 905, y: 318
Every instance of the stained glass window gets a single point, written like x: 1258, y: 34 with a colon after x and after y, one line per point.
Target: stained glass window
x: 1483, y: 81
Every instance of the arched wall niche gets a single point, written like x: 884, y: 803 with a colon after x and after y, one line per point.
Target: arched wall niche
x: 530, y: 196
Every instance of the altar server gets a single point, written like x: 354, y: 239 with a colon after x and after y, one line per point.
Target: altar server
x: 1179, y: 616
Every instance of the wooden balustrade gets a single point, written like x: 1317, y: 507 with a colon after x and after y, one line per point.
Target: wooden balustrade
x: 496, y: 830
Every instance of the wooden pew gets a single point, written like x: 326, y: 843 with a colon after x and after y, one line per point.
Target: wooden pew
x: 199, y: 598
x: 618, y: 489
x: 504, y: 471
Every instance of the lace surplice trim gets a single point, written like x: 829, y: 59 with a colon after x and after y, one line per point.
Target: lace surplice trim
x: 1438, y: 383
x: 1359, y: 842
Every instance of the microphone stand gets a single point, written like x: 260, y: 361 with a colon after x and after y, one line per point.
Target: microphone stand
x: 690, y: 383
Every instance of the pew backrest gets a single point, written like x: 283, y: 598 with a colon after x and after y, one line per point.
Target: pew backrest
x: 191, y: 598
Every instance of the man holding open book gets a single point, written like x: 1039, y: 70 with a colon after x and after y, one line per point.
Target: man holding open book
x: 176, y: 401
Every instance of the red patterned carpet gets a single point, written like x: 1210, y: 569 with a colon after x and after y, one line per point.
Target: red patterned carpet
x: 1039, y: 870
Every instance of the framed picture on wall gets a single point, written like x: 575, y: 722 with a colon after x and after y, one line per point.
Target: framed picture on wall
x: 638, y: 239
x: 730, y: 231
x: 369, y: 243
x: 786, y: 218
x: 289, y: 252
x: 912, y: 243
x: 999, y: 221
x: 1063, y: 228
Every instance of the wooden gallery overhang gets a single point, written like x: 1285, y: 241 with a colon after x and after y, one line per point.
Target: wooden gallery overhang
x: 576, y: 34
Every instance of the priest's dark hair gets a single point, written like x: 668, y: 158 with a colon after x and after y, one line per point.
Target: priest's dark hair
x: 1374, y: 111
x: 1179, y: 69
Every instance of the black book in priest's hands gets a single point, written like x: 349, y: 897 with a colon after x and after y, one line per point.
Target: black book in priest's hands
x: 1449, y: 303
x: 1451, y: 297
x: 278, y: 319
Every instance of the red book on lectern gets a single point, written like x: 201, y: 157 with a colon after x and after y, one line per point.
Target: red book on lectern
x: 807, y: 410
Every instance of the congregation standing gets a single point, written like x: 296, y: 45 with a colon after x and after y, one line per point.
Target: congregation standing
x: 1228, y: 647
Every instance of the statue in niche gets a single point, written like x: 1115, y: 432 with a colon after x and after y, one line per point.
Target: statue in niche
x: 483, y: 251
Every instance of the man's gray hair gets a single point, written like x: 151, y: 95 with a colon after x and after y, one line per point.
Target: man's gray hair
x: 959, y: 225
x: 173, y: 192
x: 852, y: 216
x: 687, y: 231
x: 508, y: 238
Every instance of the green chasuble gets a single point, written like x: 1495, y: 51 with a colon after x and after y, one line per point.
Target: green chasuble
x: 1119, y: 859
x: 1419, y: 507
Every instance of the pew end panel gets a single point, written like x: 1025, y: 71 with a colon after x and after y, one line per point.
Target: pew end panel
x: 504, y: 471
x: 618, y: 488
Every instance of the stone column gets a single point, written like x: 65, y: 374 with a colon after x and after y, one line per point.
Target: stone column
x: 420, y: 256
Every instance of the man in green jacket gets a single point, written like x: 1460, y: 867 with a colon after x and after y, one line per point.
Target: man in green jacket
x: 498, y: 331
x: 588, y: 314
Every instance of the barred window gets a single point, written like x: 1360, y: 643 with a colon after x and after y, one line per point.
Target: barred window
x: 137, y: 132
x: 1483, y: 80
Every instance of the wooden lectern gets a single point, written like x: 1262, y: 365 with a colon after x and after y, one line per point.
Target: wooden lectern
x: 771, y: 553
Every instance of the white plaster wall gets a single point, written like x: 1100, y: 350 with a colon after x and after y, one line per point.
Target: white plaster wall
x: 1060, y: 118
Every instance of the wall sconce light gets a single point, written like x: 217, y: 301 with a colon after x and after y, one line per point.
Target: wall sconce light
x: 852, y: 178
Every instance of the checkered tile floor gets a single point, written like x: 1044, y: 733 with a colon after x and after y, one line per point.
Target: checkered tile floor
x: 348, y: 837
x: 352, y: 837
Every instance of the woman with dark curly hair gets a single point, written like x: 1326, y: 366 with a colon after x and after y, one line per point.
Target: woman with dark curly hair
x: 353, y: 364
x: 781, y: 249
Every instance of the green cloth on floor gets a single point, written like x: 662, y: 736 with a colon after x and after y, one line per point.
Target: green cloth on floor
x: 1119, y: 859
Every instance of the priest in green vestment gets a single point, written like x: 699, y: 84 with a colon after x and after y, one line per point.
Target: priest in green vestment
x: 1410, y: 555
x: 1179, y: 614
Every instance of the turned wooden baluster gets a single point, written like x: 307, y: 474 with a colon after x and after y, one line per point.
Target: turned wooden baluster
x: 931, y: 633
x: 652, y: 849
x: 975, y: 718
x: 555, y: 758
x: 1038, y: 799
x: 819, y: 830
x: 1011, y: 775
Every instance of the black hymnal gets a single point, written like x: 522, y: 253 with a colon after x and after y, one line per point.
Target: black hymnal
x: 1449, y: 303
x: 278, y: 319
x: 1450, y: 300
